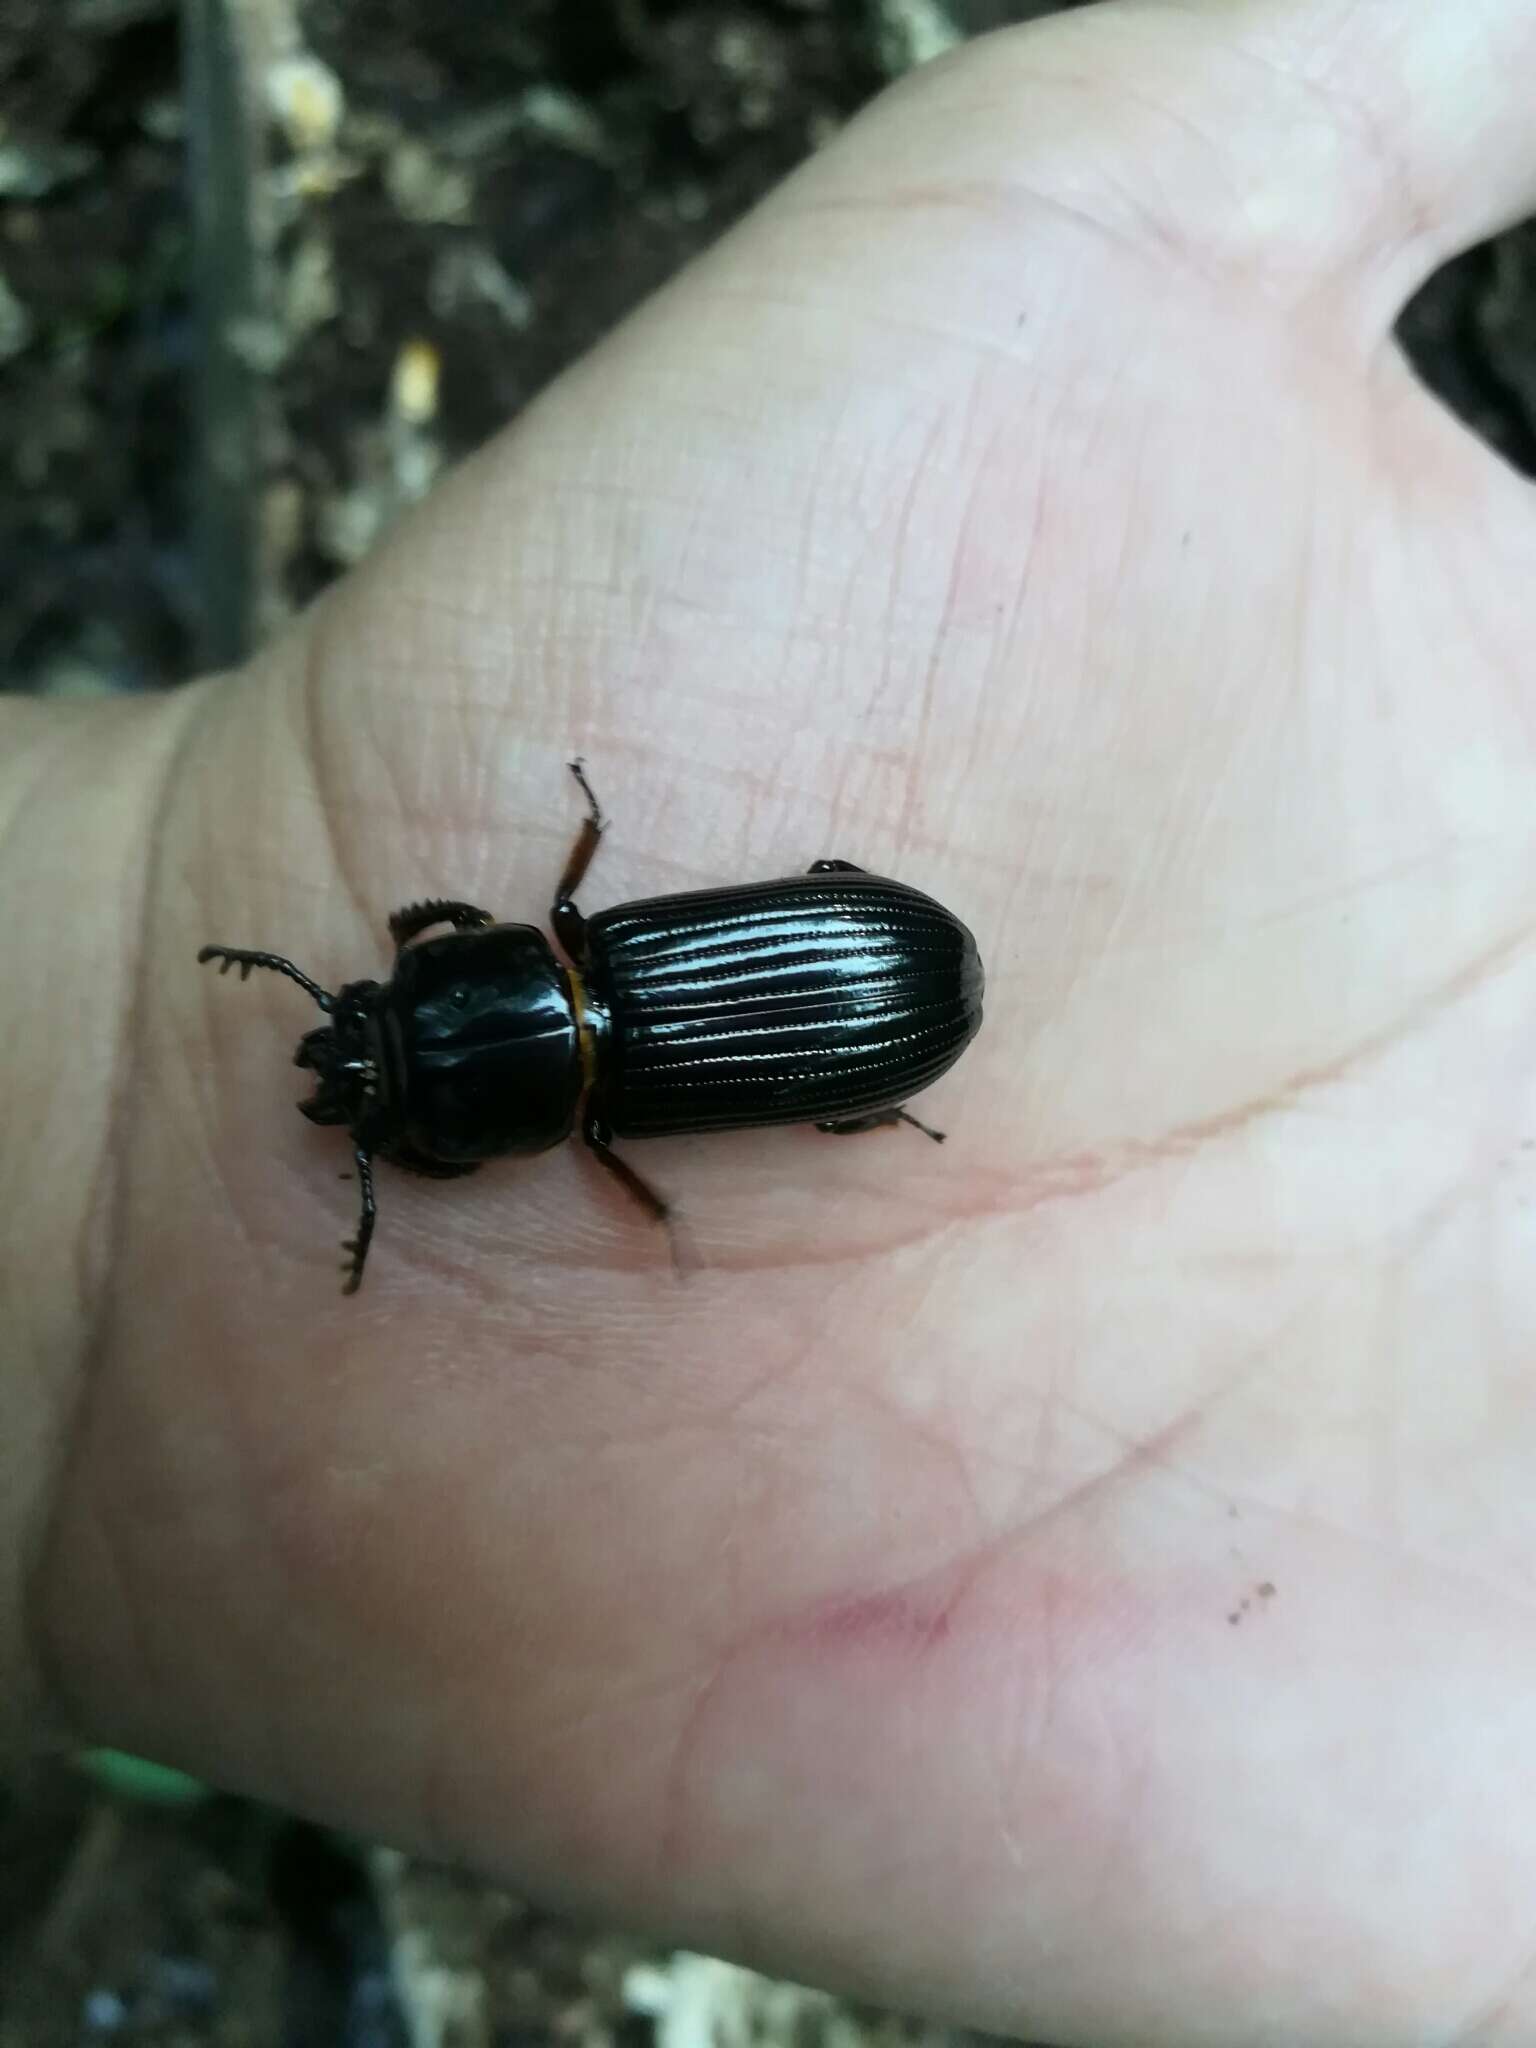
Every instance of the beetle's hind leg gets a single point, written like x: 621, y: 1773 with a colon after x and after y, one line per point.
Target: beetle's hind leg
x: 570, y: 927
x: 416, y: 918
x: 881, y: 1119
x: 367, y: 1216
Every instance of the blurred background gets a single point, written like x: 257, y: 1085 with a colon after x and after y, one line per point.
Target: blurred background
x: 266, y: 267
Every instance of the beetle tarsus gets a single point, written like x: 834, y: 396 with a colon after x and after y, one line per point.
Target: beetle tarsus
x: 594, y: 808
x: 367, y: 1216
x: 882, y: 1119
x: 416, y: 918
x: 238, y: 956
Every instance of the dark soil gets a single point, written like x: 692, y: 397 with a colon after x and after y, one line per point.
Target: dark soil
x: 224, y: 1925
x: 94, y: 345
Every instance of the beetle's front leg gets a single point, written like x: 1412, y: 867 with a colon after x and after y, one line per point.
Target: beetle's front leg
x: 367, y: 1216
x: 243, y: 958
x: 570, y: 927
x: 416, y: 918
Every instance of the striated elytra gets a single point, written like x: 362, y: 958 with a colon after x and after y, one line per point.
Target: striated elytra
x: 827, y: 998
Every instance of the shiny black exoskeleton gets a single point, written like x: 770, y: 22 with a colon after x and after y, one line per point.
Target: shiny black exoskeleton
x: 825, y: 998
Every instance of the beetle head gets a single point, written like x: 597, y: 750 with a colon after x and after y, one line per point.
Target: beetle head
x: 341, y: 1057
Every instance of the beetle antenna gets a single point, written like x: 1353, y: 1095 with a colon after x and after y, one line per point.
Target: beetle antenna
x: 234, y: 956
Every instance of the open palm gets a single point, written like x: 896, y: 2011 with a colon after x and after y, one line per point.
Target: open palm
x: 1081, y: 1577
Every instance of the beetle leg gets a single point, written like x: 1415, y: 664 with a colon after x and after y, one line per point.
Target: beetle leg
x: 236, y: 956
x: 850, y: 1126
x: 570, y: 926
x: 599, y: 1139
x: 367, y: 1216
x: 416, y: 918
x: 835, y: 867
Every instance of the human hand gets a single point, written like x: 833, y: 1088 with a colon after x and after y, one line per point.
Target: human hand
x: 1080, y: 1579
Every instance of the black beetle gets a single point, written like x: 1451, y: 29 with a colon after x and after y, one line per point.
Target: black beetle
x: 825, y: 998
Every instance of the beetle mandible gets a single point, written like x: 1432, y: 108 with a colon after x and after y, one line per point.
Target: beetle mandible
x: 827, y: 998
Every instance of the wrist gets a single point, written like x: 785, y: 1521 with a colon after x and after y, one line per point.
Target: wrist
x: 80, y: 792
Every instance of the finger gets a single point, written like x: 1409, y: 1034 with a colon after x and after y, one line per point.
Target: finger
x: 1320, y: 148
x: 1406, y: 124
